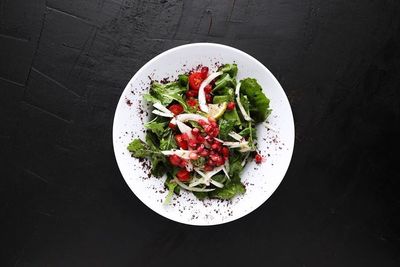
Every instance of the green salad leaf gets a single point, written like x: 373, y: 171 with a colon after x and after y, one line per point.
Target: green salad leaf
x: 231, y: 69
x: 156, y: 127
x: 168, y: 141
x: 224, y: 81
x: 171, y: 188
x: 139, y: 149
x: 225, y: 127
x: 231, y: 189
x: 183, y: 79
x: 166, y: 93
x: 259, y: 103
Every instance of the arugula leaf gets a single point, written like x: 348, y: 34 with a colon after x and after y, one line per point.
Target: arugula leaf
x: 225, y: 127
x: 183, y: 79
x: 171, y: 187
x: 221, y: 178
x: 157, y: 159
x: 225, y: 81
x: 247, y: 131
x: 200, y: 195
x: 235, y: 163
x: 166, y: 93
x: 156, y: 127
x: 231, y: 69
x: 230, y: 189
x: 168, y: 142
x: 259, y: 103
x: 139, y: 149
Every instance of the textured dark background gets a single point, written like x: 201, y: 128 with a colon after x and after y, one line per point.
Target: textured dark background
x: 63, y: 66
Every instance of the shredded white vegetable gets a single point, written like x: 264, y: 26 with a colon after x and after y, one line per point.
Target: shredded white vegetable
x: 235, y: 136
x: 179, y: 152
x: 162, y: 108
x: 202, y: 95
x: 184, y: 128
x: 188, y: 117
x: 242, y: 110
x: 194, y: 189
x: 162, y: 114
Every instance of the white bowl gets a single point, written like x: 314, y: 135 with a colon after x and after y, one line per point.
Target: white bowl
x: 260, y: 180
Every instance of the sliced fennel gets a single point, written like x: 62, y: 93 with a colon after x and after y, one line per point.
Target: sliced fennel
x: 242, y: 110
x: 202, y: 95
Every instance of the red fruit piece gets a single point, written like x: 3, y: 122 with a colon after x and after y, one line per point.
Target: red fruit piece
x: 183, y: 175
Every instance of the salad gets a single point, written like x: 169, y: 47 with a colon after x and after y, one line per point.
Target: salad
x: 203, y: 131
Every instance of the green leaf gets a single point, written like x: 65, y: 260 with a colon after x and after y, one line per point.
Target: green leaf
x: 225, y: 94
x: 171, y: 188
x: 221, y: 178
x: 167, y: 93
x: 231, y: 69
x: 157, y: 128
x: 259, y: 103
x: 225, y: 127
x: 231, y: 189
x: 235, y: 163
x: 200, y: 195
x: 139, y: 149
x: 199, y: 162
x: 183, y: 80
x: 168, y: 142
x: 225, y: 81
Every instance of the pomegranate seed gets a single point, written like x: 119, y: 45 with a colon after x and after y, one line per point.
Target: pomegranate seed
x: 208, y: 89
x: 214, y: 157
x: 185, y: 136
x: 192, y: 143
x: 204, y: 72
x: 211, y: 162
x: 212, y: 152
x: 195, y: 131
x: 225, y: 151
x: 215, y: 146
x: 191, y: 93
x: 175, y: 160
x: 182, y: 163
x: 204, y: 153
x: 172, y: 126
x: 209, y: 98
x: 202, y: 123
x: 214, y: 124
x: 220, y: 161
x: 200, y: 139
x: 183, y: 175
x: 258, y: 158
x: 209, y: 139
x: 215, y: 132
x: 193, y: 156
x: 200, y: 148
x: 208, y: 168
x: 230, y: 106
x: 208, y: 129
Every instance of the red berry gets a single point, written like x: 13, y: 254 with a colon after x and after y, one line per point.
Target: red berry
x: 208, y: 168
x: 204, y: 72
x: 182, y: 163
x: 195, y: 80
x: 195, y: 131
x: 204, y: 153
x: 172, y: 126
x: 200, y: 148
x: 225, y: 151
x: 202, y: 122
x: 183, y: 175
x: 209, y: 98
x: 192, y: 143
x: 200, y: 139
x: 208, y: 89
x: 175, y: 160
x: 258, y: 158
x: 230, y: 106
x: 193, y: 156
x: 191, y: 102
x: 210, y: 162
x: 176, y: 108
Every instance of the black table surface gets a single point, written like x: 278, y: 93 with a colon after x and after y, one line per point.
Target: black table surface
x: 63, y: 66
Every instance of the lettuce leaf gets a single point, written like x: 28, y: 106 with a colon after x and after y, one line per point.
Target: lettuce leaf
x: 259, y: 103
x: 231, y: 189
x: 156, y: 127
x: 166, y: 93
x: 225, y: 81
x: 225, y: 127
x: 231, y: 69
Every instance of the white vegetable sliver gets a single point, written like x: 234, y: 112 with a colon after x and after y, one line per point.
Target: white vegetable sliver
x: 226, y: 169
x: 242, y: 110
x: 162, y: 108
x: 235, y: 136
x: 270, y: 127
x: 217, y: 184
x: 184, y: 128
x: 245, y: 159
x: 162, y: 114
x: 202, y: 95
x: 189, y: 166
x: 194, y: 189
